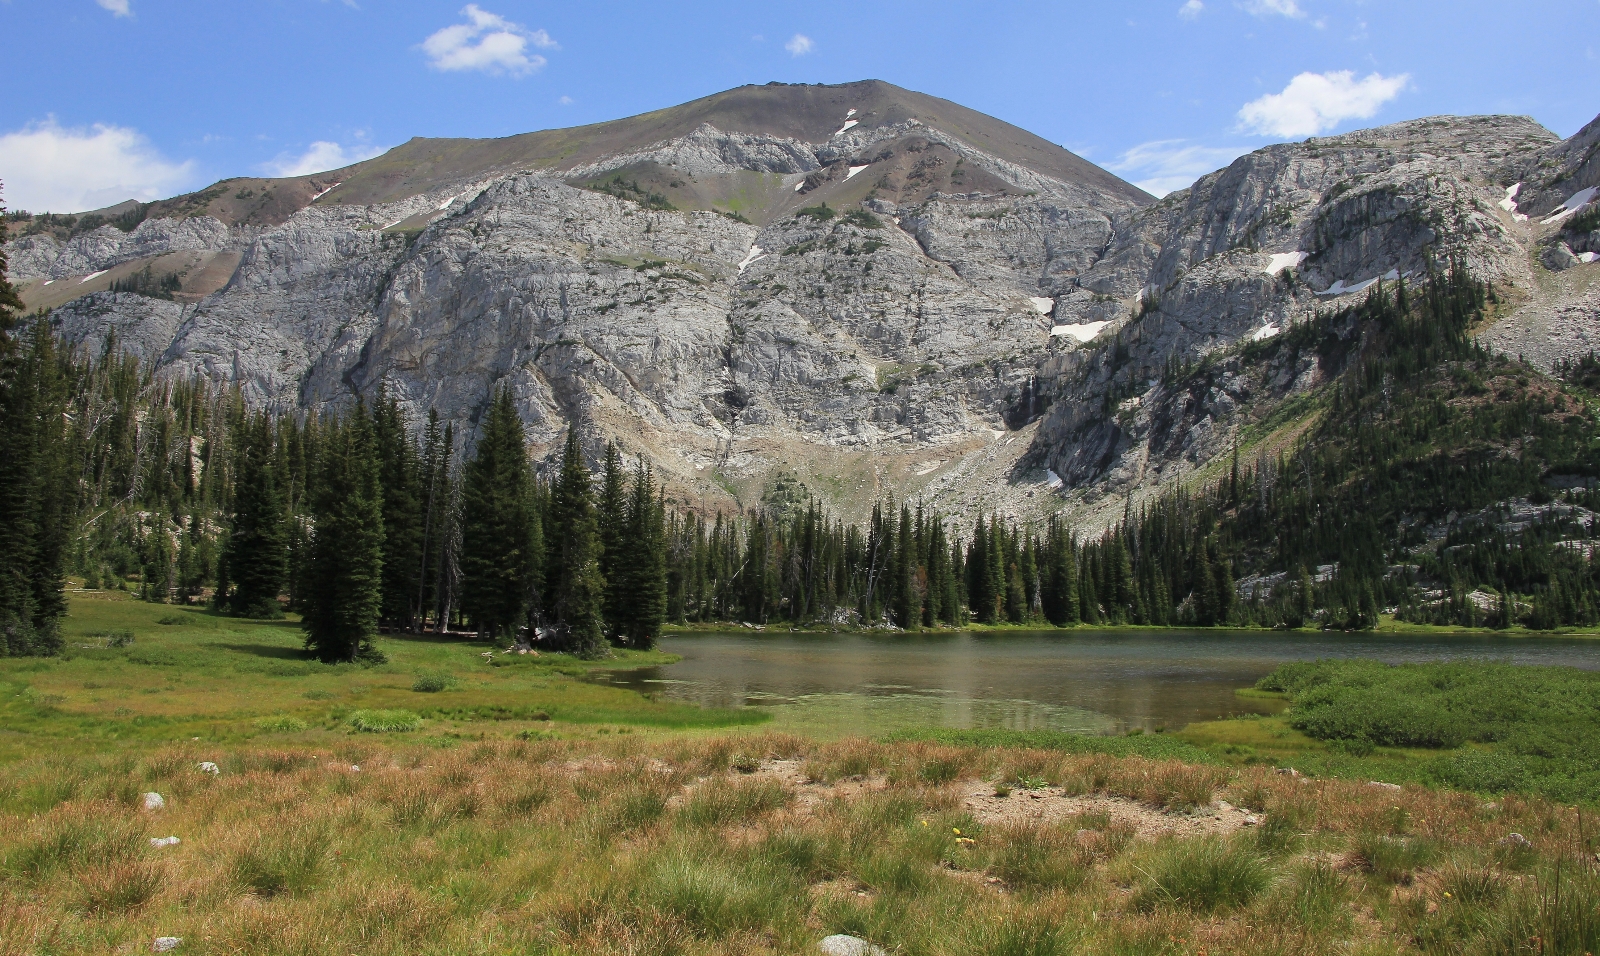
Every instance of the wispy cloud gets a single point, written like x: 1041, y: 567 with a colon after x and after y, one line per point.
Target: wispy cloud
x: 1191, y: 9
x: 1316, y: 102
x: 320, y: 157
x: 1274, y: 8
x: 487, y: 42
x: 48, y: 167
x: 118, y: 7
x: 799, y: 45
x: 1166, y: 165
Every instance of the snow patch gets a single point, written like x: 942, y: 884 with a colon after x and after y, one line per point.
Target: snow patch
x: 1051, y: 479
x: 1589, y: 257
x: 1083, y: 331
x: 799, y: 185
x: 1509, y: 204
x: 849, y: 114
x: 1339, y: 288
x: 847, y: 124
x: 1284, y: 260
x: 755, y: 253
x: 854, y: 170
x: 397, y: 222
x: 47, y: 282
x: 1265, y: 332
x: 448, y: 202
x: 1574, y: 203
x: 92, y: 275
x: 326, y: 191
x: 1042, y: 305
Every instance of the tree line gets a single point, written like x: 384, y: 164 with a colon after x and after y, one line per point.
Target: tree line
x: 1393, y: 501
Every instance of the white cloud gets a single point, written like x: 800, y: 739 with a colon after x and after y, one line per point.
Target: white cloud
x: 1191, y: 10
x: 1167, y: 165
x: 566, y: 101
x: 50, y: 168
x: 487, y: 42
x: 118, y: 7
x: 1275, y: 8
x: 799, y: 45
x: 1315, y: 102
x: 320, y: 157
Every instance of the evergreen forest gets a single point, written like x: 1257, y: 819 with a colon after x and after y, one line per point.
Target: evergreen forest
x: 1434, y: 481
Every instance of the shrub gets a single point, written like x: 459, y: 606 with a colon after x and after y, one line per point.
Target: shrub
x: 1203, y: 876
x: 384, y: 721
x: 863, y: 219
x: 433, y: 683
x: 820, y: 213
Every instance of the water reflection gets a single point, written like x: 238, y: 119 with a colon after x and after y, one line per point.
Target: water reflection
x: 1085, y: 681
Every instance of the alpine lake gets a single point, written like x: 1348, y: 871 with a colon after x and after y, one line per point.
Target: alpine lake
x: 1079, y: 681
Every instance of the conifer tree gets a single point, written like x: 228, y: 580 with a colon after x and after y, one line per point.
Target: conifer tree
x: 576, y: 588
x: 345, y: 592
x: 641, y: 563
x: 257, y: 552
x: 499, y: 564
x: 611, y: 515
x: 399, y: 477
x: 907, y: 609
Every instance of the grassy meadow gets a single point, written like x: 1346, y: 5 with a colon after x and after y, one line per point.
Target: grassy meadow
x: 444, y: 803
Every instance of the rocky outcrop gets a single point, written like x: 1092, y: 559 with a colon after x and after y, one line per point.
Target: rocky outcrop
x: 906, y: 314
x: 43, y: 257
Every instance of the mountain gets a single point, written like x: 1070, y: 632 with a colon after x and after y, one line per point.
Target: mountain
x: 858, y: 288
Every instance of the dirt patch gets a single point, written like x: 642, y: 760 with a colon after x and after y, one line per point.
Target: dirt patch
x: 1054, y: 805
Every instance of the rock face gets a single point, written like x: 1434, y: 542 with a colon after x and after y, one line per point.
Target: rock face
x: 888, y: 298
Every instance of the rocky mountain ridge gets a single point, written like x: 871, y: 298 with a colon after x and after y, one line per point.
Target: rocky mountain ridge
x: 894, y: 297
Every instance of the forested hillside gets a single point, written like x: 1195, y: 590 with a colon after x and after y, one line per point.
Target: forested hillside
x: 1432, y: 480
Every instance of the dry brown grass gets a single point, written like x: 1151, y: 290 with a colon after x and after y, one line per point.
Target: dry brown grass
x: 758, y: 844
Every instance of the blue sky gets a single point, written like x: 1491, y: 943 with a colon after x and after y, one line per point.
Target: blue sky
x: 110, y: 99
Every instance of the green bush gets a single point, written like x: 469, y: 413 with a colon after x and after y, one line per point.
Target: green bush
x: 383, y: 721
x: 433, y: 683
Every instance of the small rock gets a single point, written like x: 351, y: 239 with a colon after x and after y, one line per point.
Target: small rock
x: 165, y: 841
x: 1516, y: 840
x: 355, y: 768
x: 153, y: 801
x: 1251, y: 820
x: 166, y: 944
x: 842, y: 945
x: 207, y: 766
x: 1383, y: 786
x: 1289, y: 771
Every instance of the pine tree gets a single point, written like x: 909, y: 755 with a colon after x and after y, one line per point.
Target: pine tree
x: 576, y: 588
x: 641, y: 563
x: 907, y: 609
x: 345, y: 592
x: 611, y: 515
x: 257, y: 552
x: 399, y: 477
x: 499, y: 564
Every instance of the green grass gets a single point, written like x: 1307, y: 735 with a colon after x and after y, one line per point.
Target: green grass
x: 189, y: 672
x: 1492, y: 727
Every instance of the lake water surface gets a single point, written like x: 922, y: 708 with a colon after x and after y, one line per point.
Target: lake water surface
x: 1080, y: 680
